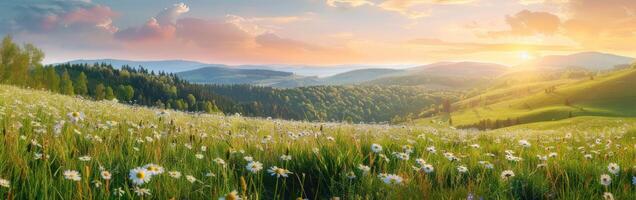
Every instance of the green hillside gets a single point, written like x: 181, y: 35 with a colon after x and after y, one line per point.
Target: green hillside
x: 610, y: 94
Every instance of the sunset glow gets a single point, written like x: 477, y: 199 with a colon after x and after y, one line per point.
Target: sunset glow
x: 321, y: 32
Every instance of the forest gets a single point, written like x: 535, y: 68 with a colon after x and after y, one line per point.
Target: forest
x: 138, y: 86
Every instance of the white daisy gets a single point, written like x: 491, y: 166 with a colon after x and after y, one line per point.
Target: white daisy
x: 376, y: 148
x: 72, y: 175
x: 279, y: 172
x: 254, y: 166
x: 139, y: 175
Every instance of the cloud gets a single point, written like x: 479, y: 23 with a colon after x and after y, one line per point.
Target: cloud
x: 170, y: 15
x: 348, y: 3
x: 160, y: 27
x: 63, y: 15
x: 527, y: 23
x: 593, y: 24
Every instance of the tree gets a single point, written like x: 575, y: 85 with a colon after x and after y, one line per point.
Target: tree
x: 52, y: 79
x: 109, y: 94
x: 191, y: 101
x: 81, y: 87
x: 67, y: 84
x: 100, y: 92
x: 125, y: 92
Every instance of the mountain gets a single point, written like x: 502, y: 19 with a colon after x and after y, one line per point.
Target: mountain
x: 170, y: 66
x: 461, y: 69
x: 445, y: 75
x: 359, y: 76
x: 224, y: 75
x: 588, y: 60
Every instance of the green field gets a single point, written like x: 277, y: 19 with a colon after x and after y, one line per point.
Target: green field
x: 610, y: 94
x: 41, y: 141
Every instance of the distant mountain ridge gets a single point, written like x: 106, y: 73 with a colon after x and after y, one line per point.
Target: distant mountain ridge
x: 587, y: 60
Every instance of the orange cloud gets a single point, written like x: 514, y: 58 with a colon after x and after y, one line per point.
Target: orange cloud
x: 527, y: 23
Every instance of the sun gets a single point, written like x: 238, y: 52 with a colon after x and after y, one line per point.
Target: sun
x: 524, y: 55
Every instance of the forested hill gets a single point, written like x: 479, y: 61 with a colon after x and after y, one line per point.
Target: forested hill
x: 20, y: 65
x: 335, y: 103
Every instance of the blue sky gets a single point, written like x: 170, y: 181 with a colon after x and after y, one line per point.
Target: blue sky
x: 320, y: 32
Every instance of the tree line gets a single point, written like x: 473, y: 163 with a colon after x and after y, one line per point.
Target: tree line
x: 21, y: 65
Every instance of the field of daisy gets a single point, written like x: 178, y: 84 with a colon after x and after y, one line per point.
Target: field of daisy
x: 59, y: 147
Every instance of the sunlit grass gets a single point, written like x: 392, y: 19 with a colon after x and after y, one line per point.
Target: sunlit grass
x: 211, y: 154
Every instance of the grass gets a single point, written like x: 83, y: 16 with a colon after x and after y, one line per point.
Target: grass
x: 607, y: 95
x: 324, y: 157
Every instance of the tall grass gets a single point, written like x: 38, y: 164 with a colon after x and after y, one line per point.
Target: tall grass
x: 325, y: 158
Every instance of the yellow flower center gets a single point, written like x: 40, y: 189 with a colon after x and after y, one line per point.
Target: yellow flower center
x: 141, y: 175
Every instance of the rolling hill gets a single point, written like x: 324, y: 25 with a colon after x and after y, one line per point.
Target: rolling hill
x: 611, y: 94
x: 594, y: 61
x: 461, y: 69
x: 223, y: 75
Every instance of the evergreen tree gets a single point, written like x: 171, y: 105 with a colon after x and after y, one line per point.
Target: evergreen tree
x: 52, y: 79
x: 67, y: 84
x: 81, y: 87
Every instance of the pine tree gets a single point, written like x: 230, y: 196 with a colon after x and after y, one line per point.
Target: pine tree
x: 81, y: 87
x: 67, y: 84
x: 52, y: 79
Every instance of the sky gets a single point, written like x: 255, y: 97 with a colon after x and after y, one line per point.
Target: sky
x: 321, y: 32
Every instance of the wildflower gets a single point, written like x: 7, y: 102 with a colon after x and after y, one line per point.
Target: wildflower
x: 402, y: 156
x: 254, y: 166
x: 633, y: 180
x: 174, y: 174
x: 75, y: 116
x: 106, y: 175
x: 5, y: 183
x: 587, y: 156
x: 97, y: 183
x: 462, y: 169
x: 613, y: 168
x: 198, y: 156
x: 552, y: 155
x: 431, y: 149
x: 285, y: 157
x: 376, y: 148
x: 351, y: 175
x: 119, y: 192
x: 392, y: 179
x: 608, y: 196
x: 248, y: 158
x: 142, y: 191
x: 220, y: 161
x: 365, y: 169
x: 408, y: 149
x: 191, y: 179
x: 154, y: 169
x: 427, y: 168
x: 279, y: 172
x: 505, y: 175
x: 85, y: 158
x: 139, y: 175
x: 72, y: 175
x: 231, y: 196
x: 524, y: 143
x: 606, y: 180
x: 420, y: 161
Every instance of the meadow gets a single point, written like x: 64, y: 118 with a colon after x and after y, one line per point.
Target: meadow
x: 61, y: 147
